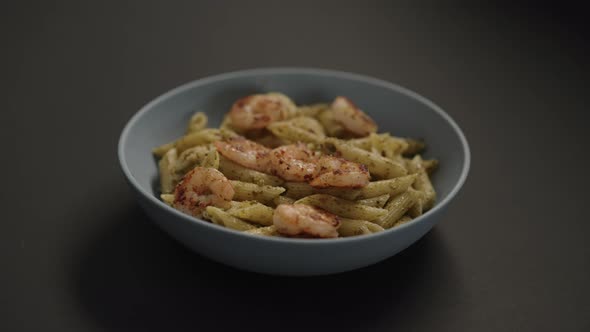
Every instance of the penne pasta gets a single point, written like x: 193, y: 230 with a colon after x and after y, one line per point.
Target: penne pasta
x: 331, y: 126
x: 423, y: 183
x: 403, y: 220
x: 283, y: 200
x: 396, y: 208
x: 167, y: 198
x: 245, y: 191
x: 430, y: 165
x: 286, y: 131
x: 413, y: 146
x: 384, y: 144
x: 202, y: 137
x: 227, y: 128
x: 392, y: 187
x: 168, y: 177
x: 202, y: 155
x: 342, y: 207
x: 161, y: 150
x: 308, y: 124
x: 253, y: 212
x: 377, y: 201
x: 238, y: 172
x: 418, y: 208
x: 197, y: 122
x: 312, y: 110
x: 353, y: 227
x: 378, y: 165
x: 222, y: 218
x: 264, y: 231
x: 297, y: 190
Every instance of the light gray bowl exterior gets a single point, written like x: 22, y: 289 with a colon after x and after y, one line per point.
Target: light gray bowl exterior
x: 395, y: 109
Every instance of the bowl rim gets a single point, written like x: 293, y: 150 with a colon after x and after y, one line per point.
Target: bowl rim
x: 281, y: 71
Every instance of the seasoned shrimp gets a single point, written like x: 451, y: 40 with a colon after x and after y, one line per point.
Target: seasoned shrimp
x: 338, y: 172
x: 258, y: 111
x: 301, y: 219
x: 352, y: 118
x: 295, y: 162
x: 200, y: 188
x: 245, y: 152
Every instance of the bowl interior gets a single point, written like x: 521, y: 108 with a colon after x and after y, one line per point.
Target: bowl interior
x: 395, y: 110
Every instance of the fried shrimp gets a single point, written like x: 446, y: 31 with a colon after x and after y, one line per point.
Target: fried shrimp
x: 352, y: 118
x: 200, y: 188
x: 245, y: 152
x: 339, y: 172
x: 295, y: 162
x: 301, y: 219
x: 259, y: 110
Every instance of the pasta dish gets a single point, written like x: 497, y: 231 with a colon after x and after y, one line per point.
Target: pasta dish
x: 274, y: 168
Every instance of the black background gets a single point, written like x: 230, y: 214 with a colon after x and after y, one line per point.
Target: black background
x: 78, y: 254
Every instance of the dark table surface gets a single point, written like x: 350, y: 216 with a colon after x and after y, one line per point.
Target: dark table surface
x: 78, y: 254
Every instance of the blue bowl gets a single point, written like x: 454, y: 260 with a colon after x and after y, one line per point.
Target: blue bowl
x: 396, y: 110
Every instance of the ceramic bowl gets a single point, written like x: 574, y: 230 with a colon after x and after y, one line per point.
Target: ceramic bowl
x: 395, y: 109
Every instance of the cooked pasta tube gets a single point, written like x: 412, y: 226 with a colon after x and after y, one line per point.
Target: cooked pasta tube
x: 423, y: 183
x: 287, y: 132
x: 312, y: 110
x: 161, y: 150
x: 430, y: 165
x: 396, y: 208
x: 331, y: 126
x: 264, y: 231
x: 377, y: 201
x: 342, y: 207
x: 197, y: 122
x: 201, y: 137
x: 353, y: 227
x: 414, y: 146
x: 283, y: 200
x: 167, y: 171
x: 238, y: 172
x: 380, y: 166
x: 245, y: 191
x: 392, y: 187
x: 403, y: 220
x: 202, y: 155
x: 167, y: 198
x: 297, y: 190
x: 253, y: 212
x: 222, y: 218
